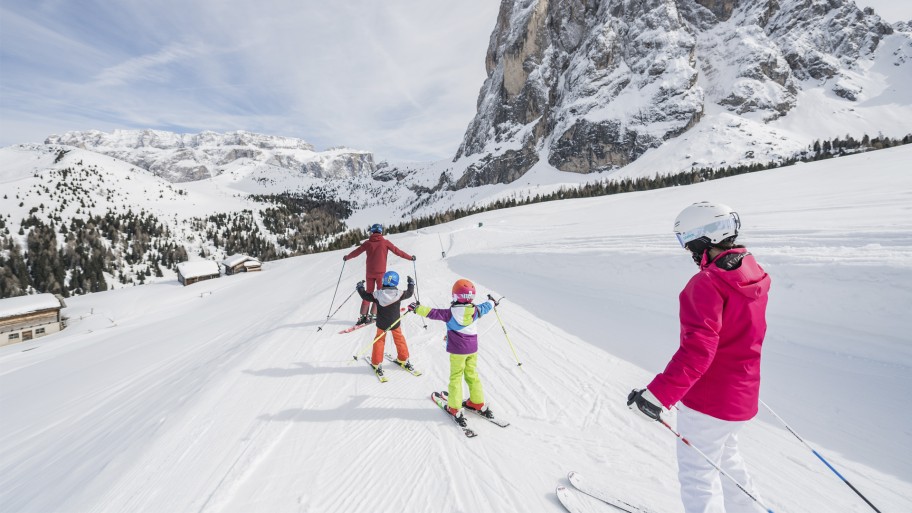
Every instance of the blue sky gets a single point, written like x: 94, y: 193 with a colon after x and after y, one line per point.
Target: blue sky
x: 398, y: 77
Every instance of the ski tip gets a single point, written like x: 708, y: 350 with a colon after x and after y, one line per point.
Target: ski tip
x: 572, y: 474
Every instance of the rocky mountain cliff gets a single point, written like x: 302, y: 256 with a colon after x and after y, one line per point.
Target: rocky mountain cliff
x: 189, y: 157
x: 591, y: 85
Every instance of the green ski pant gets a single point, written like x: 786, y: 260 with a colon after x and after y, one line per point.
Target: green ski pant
x: 464, y: 366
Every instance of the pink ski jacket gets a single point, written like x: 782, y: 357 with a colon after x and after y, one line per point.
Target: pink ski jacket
x: 716, y: 370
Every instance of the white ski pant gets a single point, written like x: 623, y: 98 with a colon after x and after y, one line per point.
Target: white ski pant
x: 703, y: 488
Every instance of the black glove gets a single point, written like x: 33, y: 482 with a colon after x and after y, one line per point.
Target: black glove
x: 644, y: 404
x: 344, y: 258
x: 410, y: 281
x: 360, y: 285
x: 414, y: 258
x: 495, y: 301
x: 413, y: 306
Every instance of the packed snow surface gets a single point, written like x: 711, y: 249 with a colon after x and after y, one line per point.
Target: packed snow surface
x: 224, y: 397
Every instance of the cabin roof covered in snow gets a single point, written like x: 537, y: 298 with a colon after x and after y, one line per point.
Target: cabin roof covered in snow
x: 234, y: 260
x: 23, y: 305
x: 198, y: 268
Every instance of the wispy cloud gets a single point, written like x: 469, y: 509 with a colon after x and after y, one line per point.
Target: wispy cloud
x: 399, y: 77
x: 152, y: 67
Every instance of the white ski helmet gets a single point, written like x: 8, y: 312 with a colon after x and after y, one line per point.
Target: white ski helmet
x: 712, y: 222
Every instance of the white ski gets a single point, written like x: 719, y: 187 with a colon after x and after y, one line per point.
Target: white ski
x: 575, y: 502
x: 578, y: 482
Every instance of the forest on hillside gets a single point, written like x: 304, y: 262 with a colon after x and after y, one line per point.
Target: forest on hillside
x: 90, y: 252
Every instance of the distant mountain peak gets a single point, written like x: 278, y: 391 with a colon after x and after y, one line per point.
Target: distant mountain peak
x: 593, y: 85
x: 188, y: 157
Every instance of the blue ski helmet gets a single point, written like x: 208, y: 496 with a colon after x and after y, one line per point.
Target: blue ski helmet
x: 377, y: 228
x: 390, y: 279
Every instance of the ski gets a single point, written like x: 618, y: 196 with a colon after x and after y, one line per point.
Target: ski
x: 574, y: 502
x: 413, y: 371
x: 355, y: 327
x: 359, y: 326
x: 578, y: 482
x: 378, y: 372
x: 492, y: 420
x: 440, y: 401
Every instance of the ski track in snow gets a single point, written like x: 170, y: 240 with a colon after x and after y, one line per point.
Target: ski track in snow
x: 223, y: 397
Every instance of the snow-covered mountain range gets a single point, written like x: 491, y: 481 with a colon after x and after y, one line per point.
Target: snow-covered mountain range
x: 189, y: 157
x: 577, y: 92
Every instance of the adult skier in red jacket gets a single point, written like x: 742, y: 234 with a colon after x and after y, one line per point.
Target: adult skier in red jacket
x: 376, y: 247
x: 715, y: 373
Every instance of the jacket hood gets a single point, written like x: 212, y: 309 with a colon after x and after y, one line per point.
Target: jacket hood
x: 741, y: 272
x: 387, y: 296
x: 375, y: 237
x: 463, y: 314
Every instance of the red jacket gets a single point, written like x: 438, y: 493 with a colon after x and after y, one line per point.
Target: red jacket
x: 376, y: 247
x: 716, y: 370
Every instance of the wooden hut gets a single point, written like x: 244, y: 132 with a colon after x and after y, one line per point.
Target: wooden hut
x: 189, y: 273
x: 241, y: 264
x: 24, y: 318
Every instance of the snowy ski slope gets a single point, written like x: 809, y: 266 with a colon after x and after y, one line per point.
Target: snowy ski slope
x: 223, y: 396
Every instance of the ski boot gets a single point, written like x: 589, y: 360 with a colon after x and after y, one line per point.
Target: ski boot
x: 458, y: 416
x: 361, y: 320
x: 407, y: 365
x: 482, y: 409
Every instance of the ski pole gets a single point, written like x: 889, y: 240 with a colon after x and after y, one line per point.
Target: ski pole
x: 378, y: 337
x: 518, y: 363
x: 328, y: 315
x: 337, y: 310
x: 724, y: 473
x: 417, y: 297
x: 821, y: 458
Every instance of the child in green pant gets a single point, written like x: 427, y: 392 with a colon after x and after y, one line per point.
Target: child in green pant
x: 462, y: 344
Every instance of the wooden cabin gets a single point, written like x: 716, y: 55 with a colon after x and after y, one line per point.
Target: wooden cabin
x: 25, y: 318
x: 189, y: 273
x: 241, y: 264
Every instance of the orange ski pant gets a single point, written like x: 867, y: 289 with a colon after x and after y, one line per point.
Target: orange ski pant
x: 398, y: 338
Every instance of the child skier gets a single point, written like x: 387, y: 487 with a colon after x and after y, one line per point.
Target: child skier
x: 377, y: 248
x: 716, y: 371
x: 462, y: 344
x: 388, y: 298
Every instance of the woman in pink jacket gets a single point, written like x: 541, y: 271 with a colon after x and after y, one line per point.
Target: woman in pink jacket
x: 715, y: 373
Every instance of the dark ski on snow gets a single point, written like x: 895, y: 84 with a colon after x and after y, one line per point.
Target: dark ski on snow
x: 440, y: 401
x: 493, y: 420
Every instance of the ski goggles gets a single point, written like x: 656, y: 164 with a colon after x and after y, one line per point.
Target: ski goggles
x: 724, y: 228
